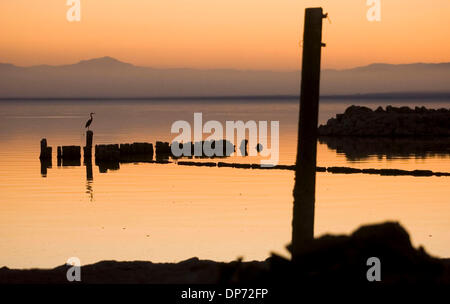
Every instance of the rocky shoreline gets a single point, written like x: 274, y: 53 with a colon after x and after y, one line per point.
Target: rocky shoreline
x: 389, y: 122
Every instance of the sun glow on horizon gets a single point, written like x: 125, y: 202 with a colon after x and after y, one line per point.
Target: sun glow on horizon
x: 255, y: 35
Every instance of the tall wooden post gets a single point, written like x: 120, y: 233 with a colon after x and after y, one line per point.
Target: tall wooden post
x: 305, y: 172
x: 88, y: 148
x: 88, y: 155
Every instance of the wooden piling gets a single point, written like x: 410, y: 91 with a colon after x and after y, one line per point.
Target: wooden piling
x: 59, y: 156
x: 305, y: 173
x: 46, y: 152
x: 71, y: 152
x: 88, y: 148
x: 244, y: 147
x: 89, y: 138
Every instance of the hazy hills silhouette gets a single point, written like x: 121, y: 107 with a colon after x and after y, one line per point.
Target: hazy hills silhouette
x: 109, y: 77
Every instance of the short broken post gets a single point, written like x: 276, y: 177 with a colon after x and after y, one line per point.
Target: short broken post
x: 46, y: 157
x: 305, y: 172
x: 59, y: 155
x: 46, y: 152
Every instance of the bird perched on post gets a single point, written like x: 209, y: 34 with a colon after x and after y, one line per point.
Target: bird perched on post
x: 88, y: 123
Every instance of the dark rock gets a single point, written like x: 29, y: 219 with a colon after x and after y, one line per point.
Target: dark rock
x: 331, y: 260
x: 342, y: 260
x: 393, y: 122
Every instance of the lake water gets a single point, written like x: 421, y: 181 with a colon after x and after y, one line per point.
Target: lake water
x: 167, y: 213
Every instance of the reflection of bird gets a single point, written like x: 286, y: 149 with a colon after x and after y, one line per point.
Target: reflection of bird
x: 88, y: 123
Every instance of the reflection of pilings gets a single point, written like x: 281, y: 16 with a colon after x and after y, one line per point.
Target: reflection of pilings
x: 89, y: 178
x: 103, y: 167
x: 45, y: 164
x: 88, y: 164
x: 90, y: 190
x: 360, y: 148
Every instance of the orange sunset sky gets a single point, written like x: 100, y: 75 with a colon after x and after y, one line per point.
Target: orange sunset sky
x: 239, y: 34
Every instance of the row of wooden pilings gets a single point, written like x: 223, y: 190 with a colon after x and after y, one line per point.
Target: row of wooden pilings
x: 71, y: 155
x: 108, y: 157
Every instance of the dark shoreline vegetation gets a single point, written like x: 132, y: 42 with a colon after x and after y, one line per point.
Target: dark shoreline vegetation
x: 330, y: 259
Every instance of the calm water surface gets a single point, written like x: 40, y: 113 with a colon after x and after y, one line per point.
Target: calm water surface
x: 167, y: 213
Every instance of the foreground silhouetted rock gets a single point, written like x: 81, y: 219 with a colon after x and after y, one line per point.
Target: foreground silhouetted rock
x: 328, y: 259
x: 389, y: 122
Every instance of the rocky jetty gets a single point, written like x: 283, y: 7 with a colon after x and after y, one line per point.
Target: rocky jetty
x: 389, y: 122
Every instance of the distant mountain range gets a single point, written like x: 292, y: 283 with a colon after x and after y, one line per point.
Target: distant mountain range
x: 108, y: 77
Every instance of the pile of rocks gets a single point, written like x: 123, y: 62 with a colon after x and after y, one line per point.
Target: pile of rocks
x: 389, y: 122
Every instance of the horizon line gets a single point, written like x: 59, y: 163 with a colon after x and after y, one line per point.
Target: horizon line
x: 387, y: 95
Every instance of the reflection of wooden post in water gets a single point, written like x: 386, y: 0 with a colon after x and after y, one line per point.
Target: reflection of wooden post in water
x: 89, y: 175
x: 305, y: 173
x: 45, y: 164
x: 88, y: 163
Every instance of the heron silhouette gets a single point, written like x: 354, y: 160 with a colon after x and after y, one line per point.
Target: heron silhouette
x: 88, y: 123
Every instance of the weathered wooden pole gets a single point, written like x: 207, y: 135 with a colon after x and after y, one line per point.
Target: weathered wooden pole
x: 88, y: 147
x: 305, y: 172
x: 46, y: 152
